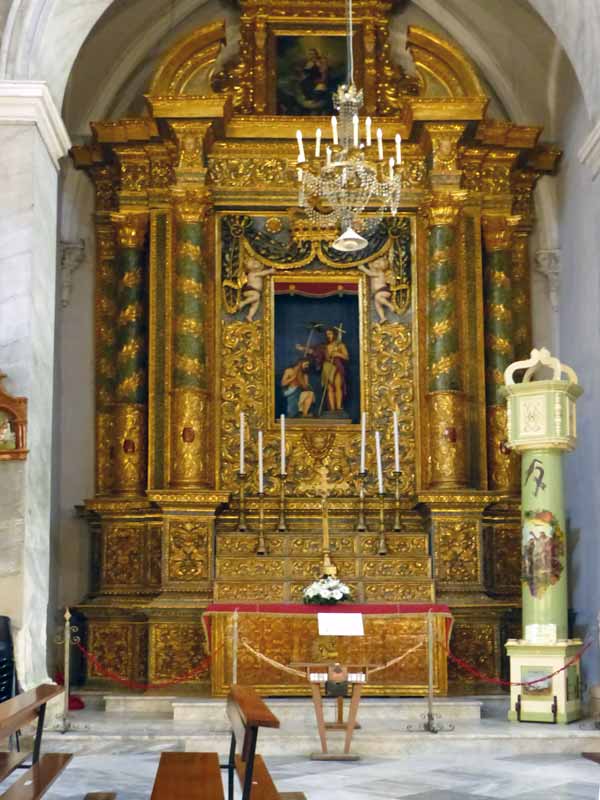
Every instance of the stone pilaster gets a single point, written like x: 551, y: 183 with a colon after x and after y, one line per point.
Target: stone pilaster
x: 130, y: 435
x: 33, y: 139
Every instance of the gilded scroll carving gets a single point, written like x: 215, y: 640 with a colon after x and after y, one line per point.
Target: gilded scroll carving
x: 188, y: 551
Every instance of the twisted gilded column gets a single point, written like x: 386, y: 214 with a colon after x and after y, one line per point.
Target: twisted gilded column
x: 503, y: 469
x: 131, y: 376
x: 189, y: 396
x: 445, y: 387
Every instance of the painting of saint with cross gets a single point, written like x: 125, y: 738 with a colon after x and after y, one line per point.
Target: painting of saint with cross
x: 317, y: 353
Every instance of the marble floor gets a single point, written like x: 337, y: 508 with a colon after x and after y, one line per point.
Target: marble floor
x: 472, y: 777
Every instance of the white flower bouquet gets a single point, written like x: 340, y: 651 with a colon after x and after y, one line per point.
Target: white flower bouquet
x: 327, y: 591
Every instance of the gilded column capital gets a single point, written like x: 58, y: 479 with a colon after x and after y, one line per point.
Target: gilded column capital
x: 191, y: 205
x: 134, y: 175
x: 131, y: 228
x: 444, y: 208
x: 192, y: 141
x: 498, y: 231
x: 523, y: 182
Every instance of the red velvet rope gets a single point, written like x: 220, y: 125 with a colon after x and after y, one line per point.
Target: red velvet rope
x: 142, y: 686
x: 499, y: 682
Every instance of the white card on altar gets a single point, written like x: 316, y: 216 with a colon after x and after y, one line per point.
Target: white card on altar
x: 340, y: 624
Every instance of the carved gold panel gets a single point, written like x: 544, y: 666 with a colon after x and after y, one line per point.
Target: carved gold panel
x: 476, y: 643
x: 457, y: 552
x: 176, y: 649
x: 397, y: 544
x: 505, y: 559
x: 239, y: 544
x: 187, y: 553
x: 120, y: 647
x: 389, y: 567
x: 406, y: 592
x: 123, y: 547
x: 263, y: 591
x: 245, y: 568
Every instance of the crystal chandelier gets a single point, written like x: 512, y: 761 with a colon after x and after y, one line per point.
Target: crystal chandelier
x: 348, y: 177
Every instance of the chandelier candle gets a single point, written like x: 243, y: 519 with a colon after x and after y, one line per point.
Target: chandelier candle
x: 368, y: 123
x: 380, y: 144
x: 334, y: 130
x: 318, y: 143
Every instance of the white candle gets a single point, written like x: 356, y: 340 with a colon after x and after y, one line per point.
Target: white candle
x: 242, y: 426
x: 300, y: 174
x: 318, y: 143
x: 396, y: 444
x: 392, y: 162
x: 328, y: 153
x: 380, y: 144
x: 363, y: 441
x: 378, y: 455
x: 355, y: 129
x: 368, y: 123
x: 261, y: 482
x: 398, y: 148
x: 282, y: 423
x: 301, y: 156
x: 334, y: 129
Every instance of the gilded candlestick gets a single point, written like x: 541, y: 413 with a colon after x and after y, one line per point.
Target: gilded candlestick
x: 362, y: 523
x: 397, y: 523
x: 282, y: 527
x: 328, y: 567
x: 242, y: 527
x: 382, y: 547
x: 261, y: 548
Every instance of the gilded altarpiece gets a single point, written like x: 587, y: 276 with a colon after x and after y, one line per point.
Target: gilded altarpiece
x: 201, y: 253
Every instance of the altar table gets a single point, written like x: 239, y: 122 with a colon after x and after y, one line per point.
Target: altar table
x: 288, y: 633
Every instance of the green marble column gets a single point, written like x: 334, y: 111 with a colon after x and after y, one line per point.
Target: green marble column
x: 190, y: 400
x: 446, y: 400
x: 131, y: 389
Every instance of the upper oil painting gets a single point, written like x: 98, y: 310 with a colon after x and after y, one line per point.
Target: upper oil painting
x: 308, y: 71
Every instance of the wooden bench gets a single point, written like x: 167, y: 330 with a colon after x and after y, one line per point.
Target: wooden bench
x: 43, y: 771
x: 197, y: 776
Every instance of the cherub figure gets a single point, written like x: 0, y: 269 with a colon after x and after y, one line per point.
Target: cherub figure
x: 378, y: 274
x: 253, y: 287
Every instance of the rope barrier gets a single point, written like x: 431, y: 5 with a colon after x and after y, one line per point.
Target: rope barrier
x: 499, y: 682
x: 271, y: 661
x: 396, y: 660
x: 107, y: 673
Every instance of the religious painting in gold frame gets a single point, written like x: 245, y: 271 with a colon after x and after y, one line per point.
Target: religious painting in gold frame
x: 317, y: 356
x: 306, y: 64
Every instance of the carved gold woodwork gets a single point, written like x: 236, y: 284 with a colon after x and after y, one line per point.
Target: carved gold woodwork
x: 447, y: 439
x: 176, y: 648
x: 290, y: 638
x: 130, y: 448
x: 458, y: 555
x: 211, y: 140
x: 120, y: 647
x: 187, y: 558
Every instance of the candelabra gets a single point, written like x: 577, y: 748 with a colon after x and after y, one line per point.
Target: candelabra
x: 397, y: 523
x: 382, y: 546
x: 242, y: 527
x: 282, y: 527
x: 362, y: 523
x: 261, y: 548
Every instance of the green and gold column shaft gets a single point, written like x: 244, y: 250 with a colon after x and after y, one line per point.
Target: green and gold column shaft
x: 130, y: 418
x: 499, y: 347
x: 190, y: 406
x: 446, y: 399
x: 106, y: 352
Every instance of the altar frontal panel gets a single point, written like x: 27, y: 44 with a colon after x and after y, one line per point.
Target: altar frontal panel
x: 290, y: 638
